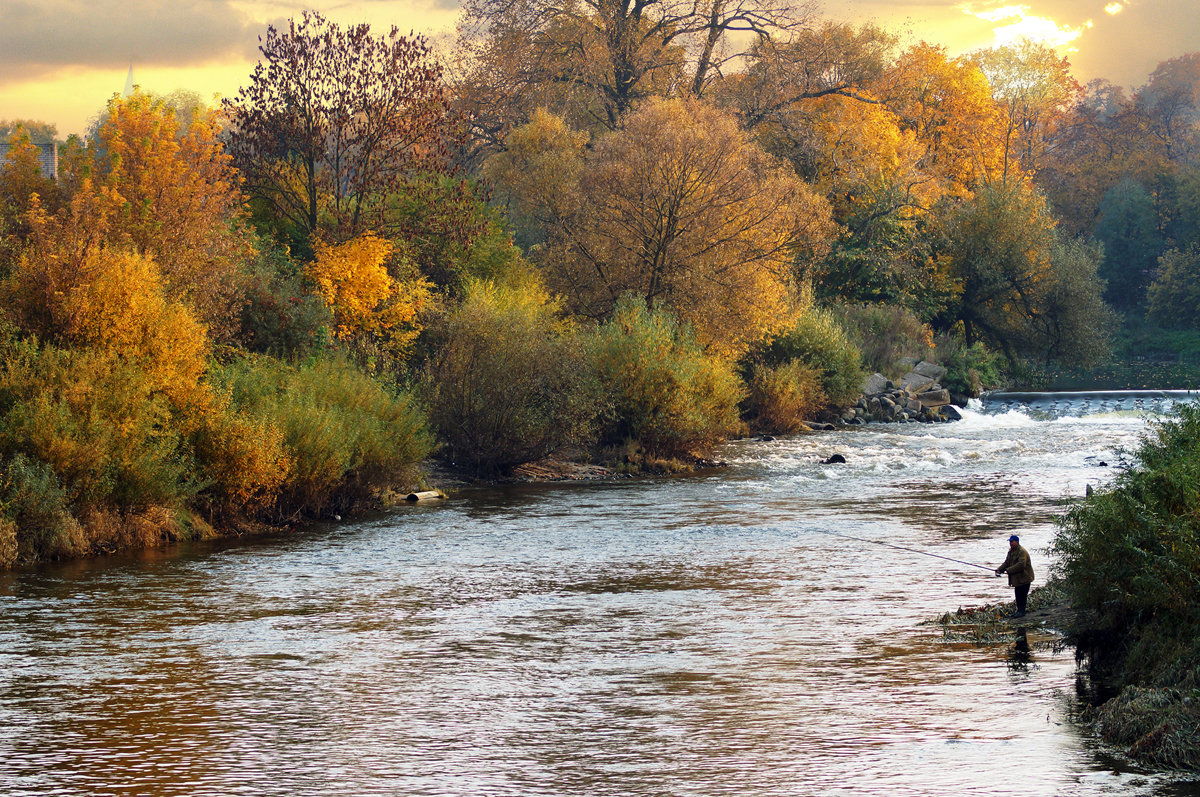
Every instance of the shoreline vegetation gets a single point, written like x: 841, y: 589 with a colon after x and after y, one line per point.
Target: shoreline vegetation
x: 583, y: 243
x: 1126, y: 594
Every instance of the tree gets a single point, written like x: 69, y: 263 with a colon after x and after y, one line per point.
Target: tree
x: 1021, y: 288
x: 1034, y: 89
x: 1174, y: 296
x: 680, y: 208
x: 948, y: 106
x: 592, y: 62
x: 1127, y: 226
x: 335, y: 119
x: 1171, y: 100
x: 367, y: 303
x: 783, y: 75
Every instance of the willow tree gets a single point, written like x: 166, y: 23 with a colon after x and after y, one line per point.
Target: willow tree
x: 333, y: 120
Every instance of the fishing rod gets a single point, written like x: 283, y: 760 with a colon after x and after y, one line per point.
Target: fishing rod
x: 904, y: 548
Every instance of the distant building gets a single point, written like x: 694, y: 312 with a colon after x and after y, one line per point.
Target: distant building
x: 47, y: 156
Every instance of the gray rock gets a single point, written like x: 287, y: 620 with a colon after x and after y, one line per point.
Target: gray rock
x: 913, y: 406
x: 951, y: 413
x: 876, y: 384
x: 934, y: 372
x: 934, y: 398
x: 914, y: 383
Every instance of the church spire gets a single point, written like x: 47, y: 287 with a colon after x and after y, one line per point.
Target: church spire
x: 129, y: 81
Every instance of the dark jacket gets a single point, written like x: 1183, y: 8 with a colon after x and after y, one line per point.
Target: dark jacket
x: 1018, y: 567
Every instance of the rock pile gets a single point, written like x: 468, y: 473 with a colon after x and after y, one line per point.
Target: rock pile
x: 918, y: 397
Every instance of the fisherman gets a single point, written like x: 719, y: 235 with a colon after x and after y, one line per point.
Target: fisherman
x: 1020, y: 572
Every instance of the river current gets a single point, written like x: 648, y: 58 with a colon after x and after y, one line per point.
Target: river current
x: 701, y: 635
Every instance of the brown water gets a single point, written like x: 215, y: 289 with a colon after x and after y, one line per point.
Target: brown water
x: 693, y: 636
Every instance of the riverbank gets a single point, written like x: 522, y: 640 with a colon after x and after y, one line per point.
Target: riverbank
x: 1158, y: 727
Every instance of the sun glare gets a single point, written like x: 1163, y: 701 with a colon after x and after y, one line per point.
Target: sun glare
x: 1114, y: 8
x: 1015, y: 23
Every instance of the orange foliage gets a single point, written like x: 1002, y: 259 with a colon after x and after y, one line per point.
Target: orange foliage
x: 353, y: 280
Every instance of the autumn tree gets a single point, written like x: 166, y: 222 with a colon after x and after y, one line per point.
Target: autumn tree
x: 335, y: 119
x: 593, y: 61
x: 947, y: 104
x: 1020, y: 287
x: 680, y: 208
x: 22, y: 185
x: 368, y: 305
x: 1171, y: 101
x: 1034, y: 89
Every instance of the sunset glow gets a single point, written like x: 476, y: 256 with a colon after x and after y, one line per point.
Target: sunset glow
x: 1016, y: 23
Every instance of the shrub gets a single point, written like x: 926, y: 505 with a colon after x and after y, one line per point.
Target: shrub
x: 100, y: 423
x: 782, y: 397
x: 969, y: 369
x: 818, y: 342
x: 1129, y: 556
x: 34, y: 504
x: 344, y: 434
x: 885, y: 335
x: 668, y: 396
x: 279, y: 316
x: 509, y: 382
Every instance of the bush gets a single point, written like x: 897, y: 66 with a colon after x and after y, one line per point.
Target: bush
x: 668, y: 396
x: 969, y: 369
x: 509, y: 382
x: 100, y: 423
x: 279, y: 316
x: 345, y: 435
x: 35, y: 522
x: 884, y: 335
x: 1129, y: 556
x: 782, y: 397
x: 818, y: 342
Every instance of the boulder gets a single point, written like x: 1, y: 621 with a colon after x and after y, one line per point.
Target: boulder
x: 915, y: 383
x: 934, y: 372
x: 934, y: 398
x: 834, y: 459
x: 951, y: 413
x: 913, y: 406
x: 876, y: 384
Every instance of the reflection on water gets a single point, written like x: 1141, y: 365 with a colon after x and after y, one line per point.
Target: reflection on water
x: 696, y: 636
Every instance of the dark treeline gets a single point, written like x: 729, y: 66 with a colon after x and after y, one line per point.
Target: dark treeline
x: 616, y: 233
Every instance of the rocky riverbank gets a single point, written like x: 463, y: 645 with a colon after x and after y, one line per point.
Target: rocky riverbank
x: 917, y: 397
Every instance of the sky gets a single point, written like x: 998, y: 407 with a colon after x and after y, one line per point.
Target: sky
x: 60, y: 60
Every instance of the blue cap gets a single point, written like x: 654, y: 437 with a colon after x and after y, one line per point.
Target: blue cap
x: 1014, y: 538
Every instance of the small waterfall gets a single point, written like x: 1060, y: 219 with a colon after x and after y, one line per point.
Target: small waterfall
x: 1087, y: 402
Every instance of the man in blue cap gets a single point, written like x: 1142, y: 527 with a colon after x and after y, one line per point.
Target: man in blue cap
x: 1020, y: 572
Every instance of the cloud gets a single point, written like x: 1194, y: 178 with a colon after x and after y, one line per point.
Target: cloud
x: 42, y: 36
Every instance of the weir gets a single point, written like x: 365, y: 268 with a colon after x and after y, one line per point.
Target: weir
x: 1086, y: 402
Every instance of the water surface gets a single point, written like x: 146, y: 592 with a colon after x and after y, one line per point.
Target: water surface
x: 690, y: 636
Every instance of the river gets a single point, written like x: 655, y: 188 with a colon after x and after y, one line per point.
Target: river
x: 700, y: 635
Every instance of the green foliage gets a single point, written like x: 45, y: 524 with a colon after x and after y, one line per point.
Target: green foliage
x: 820, y: 343
x: 344, y: 434
x: 1130, y: 558
x: 110, y: 436
x: 35, y: 520
x: 1174, y: 296
x: 1127, y: 226
x: 280, y: 317
x: 781, y: 398
x: 884, y: 335
x: 669, y: 397
x: 969, y: 369
x: 508, y: 382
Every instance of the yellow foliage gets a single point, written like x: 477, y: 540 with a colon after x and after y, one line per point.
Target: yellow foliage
x: 111, y: 301
x: 353, y: 280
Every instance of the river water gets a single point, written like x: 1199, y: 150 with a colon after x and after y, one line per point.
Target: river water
x: 698, y: 636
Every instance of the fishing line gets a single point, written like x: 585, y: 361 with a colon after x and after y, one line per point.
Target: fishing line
x: 904, y: 548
